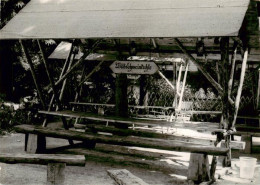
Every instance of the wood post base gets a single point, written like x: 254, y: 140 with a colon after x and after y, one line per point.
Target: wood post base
x: 56, y: 173
x: 198, y: 168
x: 35, y: 143
x: 248, y: 141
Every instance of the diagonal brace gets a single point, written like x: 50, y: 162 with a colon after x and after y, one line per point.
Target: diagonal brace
x: 77, y: 64
x: 201, y: 68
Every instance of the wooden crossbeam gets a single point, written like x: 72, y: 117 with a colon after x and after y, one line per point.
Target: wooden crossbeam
x: 77, y: 63
x: 201, y: 68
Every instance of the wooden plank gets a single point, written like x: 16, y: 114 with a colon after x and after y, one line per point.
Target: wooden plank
x: 110, y: 119
x: 163, y: 18
x: 125, y: 141
x: 113, y: 105
x: 152, y: 134
x: 124, y: 177
x: 122, y: 159
x: 71, y: 160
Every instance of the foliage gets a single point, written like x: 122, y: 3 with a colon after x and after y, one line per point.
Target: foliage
x: 14, y: 114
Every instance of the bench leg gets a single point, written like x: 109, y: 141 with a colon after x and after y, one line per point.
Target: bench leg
x: 248, y: 141
x: 35, y: 144
x: 56, y: 173
x: 198, y: 168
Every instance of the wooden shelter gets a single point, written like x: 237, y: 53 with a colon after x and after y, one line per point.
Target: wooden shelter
x: 117, y: 29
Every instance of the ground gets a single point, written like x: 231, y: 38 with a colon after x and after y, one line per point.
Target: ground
x: 92, y: 173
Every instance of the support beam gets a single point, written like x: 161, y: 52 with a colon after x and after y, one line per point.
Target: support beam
x: 65, y: 66
x: 167, y: 81
x: 53, y: 86
x: 70, y: 59
x: 77, y: 64
x: 97, y: 68
x: 227, y: 108
x: 179, y: 80
x: 204, y: 72
x: 230, y: 82
x: 183, y: 87
x: 240, y: 87
x: 29, y: 61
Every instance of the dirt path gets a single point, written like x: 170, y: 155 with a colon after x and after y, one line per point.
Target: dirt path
x: 92, y: 174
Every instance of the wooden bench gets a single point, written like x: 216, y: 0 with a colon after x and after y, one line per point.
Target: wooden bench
x: 246, y: 118
x: 198, y: 166
x: 56, y: 163
x: 246, y: 133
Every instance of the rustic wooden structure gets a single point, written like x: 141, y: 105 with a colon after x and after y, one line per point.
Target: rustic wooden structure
x: 216, y: 23
x: 56, y: 163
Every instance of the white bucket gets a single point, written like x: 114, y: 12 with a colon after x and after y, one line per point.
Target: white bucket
x: 247, y: 167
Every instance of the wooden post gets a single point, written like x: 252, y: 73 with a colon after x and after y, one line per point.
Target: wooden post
x: 227, y: 109
x: 56, y: 173
x: 121, y: 95
x: 36, y: 144
x: 53, y: 87
x: 167, y: 81
x: 183, y: 87
x: 198, y: 168
x: 121, y: 90
x: 240, y: 87
x: 248, y: 142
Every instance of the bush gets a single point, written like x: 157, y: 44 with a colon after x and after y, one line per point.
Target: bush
x: 14, y: 114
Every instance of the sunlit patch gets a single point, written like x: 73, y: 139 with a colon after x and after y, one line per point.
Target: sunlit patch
x: 179, y: 176
x: 26, y: 30
x: 63, y: 46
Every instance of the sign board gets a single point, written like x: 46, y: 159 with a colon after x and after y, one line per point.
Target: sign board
x: 134, y: 67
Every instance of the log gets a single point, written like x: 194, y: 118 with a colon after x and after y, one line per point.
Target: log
x: 104, y: 157
x: 198, y: 168
x: 71, y: 160
x: 124, y: 177
x: 126, y: 141
x: 150, y: 134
